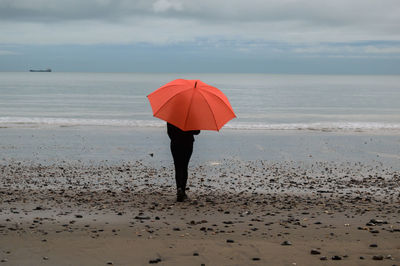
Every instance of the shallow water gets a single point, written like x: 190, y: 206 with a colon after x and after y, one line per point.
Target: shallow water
x: 151, y: 145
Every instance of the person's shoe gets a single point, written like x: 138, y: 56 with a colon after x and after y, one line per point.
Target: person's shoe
x: 181, y: 195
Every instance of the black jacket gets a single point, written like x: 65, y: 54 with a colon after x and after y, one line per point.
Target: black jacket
x: 179, y: 136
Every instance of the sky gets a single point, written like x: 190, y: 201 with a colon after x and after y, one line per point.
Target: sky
x: 211, y: 36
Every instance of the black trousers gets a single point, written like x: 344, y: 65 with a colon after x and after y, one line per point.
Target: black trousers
x: 181, y: 152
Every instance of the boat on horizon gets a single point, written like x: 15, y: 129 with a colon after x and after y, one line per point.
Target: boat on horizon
x: 40, y: 70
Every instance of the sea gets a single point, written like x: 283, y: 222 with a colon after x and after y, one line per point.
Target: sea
x: 52, y: 118
x: 260, y: 101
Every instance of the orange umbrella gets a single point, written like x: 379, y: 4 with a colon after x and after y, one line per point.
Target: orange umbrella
x: 191, y: 105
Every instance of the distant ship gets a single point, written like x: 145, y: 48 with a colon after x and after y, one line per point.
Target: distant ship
x: 40, y: 70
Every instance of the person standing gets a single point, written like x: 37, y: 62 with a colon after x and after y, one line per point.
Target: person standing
x: 181, y: 149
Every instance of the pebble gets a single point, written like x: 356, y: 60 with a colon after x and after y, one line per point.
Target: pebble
x: 373, y: 245
x: 315, y: 252
x: 377, y: 257
x: 230, y: 241
x: 46, y: 258
x: 286, y: 243
x: 336, y: 257
x: 110, y: 263
x: 323, y: 258
x: 256, y: 259
x: 138, y: 217
x: 195, y: 254
x: 155, y: 261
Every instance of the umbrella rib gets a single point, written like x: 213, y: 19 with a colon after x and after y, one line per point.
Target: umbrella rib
x: 221, y: 99
x: 167, y: 101
x: 209, y: 106
x: 190, y: 106
x: 167, y: 87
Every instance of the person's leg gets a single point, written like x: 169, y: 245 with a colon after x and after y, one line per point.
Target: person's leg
x: 176, y: 155
x: 181, y: 153
x: 185, y: 163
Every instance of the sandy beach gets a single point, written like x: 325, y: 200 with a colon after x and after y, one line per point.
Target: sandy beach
x: 239, y: 213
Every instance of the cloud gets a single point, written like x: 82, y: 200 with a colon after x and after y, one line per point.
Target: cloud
x: 382, y: 50
x: 357, y: 49
x: 306, y: 26
x: 165, y: 5
x: 7, y: 52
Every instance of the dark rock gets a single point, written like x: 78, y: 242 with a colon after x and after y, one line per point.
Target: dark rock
x: 362, y: 258
x: 256, y: 259
x: 377, y: 257
x: 323, y: 258
x: 286, y: 243
x: 336, y: 257
x: 378, y: 221
x: 195, y: 254
x: 373, y: 245
x: 230, y: 241
x: 78, y: 216
x: 315, y: 252
x: 155, y: 261
x: 139, y: 217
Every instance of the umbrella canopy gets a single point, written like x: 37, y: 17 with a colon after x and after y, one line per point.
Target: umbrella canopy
x: 191, y: 105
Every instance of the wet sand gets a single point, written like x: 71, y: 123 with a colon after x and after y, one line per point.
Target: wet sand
x: 239, y: 213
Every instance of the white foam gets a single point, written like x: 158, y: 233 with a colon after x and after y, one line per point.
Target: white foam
x: 322, y: 126
x: 317, y: 126
x: 77, y: 122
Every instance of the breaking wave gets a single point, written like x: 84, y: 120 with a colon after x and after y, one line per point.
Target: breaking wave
x: 318, y: 126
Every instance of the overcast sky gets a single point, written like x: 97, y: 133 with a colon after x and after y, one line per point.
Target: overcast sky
x: 264, y: 36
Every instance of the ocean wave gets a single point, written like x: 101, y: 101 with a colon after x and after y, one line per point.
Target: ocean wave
x: 322, y: 126
x: 319, y: 126
x: 37, y: 121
